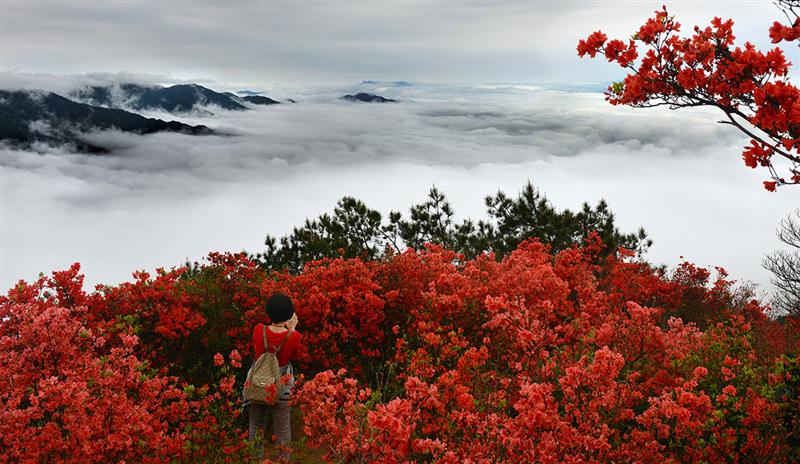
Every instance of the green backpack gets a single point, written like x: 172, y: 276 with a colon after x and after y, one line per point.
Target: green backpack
x: 264, y: 374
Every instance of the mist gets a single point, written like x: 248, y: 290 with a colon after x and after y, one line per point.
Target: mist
x: 161, y: 199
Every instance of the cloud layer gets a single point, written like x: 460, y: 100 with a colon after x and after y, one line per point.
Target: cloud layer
x: 161, y: 198
x: 324, y: 42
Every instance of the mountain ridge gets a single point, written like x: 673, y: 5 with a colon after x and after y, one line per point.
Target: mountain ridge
x: 27, y: 117
x: 179, y: 98
x: 367, y: 98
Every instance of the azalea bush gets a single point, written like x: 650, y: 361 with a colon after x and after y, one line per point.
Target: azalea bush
x: 425, y: 355
x: 542, y: 358
x: 83, y: 382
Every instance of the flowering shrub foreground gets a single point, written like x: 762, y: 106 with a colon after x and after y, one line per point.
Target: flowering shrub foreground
x: 417, y: 357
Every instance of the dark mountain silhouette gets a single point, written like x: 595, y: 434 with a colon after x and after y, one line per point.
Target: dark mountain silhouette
x: 259, y: 100
x: 28, y: 116
x: 179, y: 98
x: 368, y: 98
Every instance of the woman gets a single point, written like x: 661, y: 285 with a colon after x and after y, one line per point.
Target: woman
x: 283, y: 321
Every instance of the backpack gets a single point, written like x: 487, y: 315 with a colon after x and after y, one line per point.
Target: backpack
x: 263, y: 384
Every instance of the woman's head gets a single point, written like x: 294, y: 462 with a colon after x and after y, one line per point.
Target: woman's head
x: 279, y: 308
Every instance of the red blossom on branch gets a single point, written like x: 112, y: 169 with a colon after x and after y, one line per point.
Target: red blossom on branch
x: 749, y: 86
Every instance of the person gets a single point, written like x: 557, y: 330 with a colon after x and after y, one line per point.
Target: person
x: 283, y: 320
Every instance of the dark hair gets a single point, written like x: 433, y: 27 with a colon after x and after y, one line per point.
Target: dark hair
x: 279, y: 308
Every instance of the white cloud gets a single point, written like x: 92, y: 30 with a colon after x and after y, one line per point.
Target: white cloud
x: 325, y: 42
x: 63, y: 84
x: 161, y: 198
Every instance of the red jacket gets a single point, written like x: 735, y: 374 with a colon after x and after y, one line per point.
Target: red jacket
x: 290, y: 349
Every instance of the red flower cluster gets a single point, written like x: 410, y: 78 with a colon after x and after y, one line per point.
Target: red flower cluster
x: 339, y: 300
x: 545, y: 359
x: 533, y: 358
x: 750, y: 86
x: 68, y: 396
x: 76, y: 384
x: 779, y: 32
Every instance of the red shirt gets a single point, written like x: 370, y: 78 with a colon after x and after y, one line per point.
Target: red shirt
x: 290, y: 349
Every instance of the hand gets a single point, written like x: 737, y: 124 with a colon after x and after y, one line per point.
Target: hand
x: 292, y: 323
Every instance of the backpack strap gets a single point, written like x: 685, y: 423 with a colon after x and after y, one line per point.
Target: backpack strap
x: 278, y: 350
x: 288, y: 332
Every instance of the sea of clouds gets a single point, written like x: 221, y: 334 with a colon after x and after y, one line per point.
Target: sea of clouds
x: 160, y: 199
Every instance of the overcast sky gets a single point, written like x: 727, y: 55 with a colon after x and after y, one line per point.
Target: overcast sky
x: 289, y: 43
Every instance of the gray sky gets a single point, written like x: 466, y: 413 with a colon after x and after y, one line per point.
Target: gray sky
x: 262, y: 43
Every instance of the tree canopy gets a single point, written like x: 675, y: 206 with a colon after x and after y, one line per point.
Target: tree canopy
x: 355, y: 230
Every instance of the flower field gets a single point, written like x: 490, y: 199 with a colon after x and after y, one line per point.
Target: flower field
x: 421, y: 356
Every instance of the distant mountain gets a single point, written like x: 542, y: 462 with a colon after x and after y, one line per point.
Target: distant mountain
x: 368, y: 98
x: 393, y: 83
x: 30, y: 116
x: 179, y: 98
x: 249, y: 92
x: 259, y: 100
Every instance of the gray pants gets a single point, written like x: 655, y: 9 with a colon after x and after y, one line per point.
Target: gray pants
x: 281, y: 420
x: 281, y: 425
